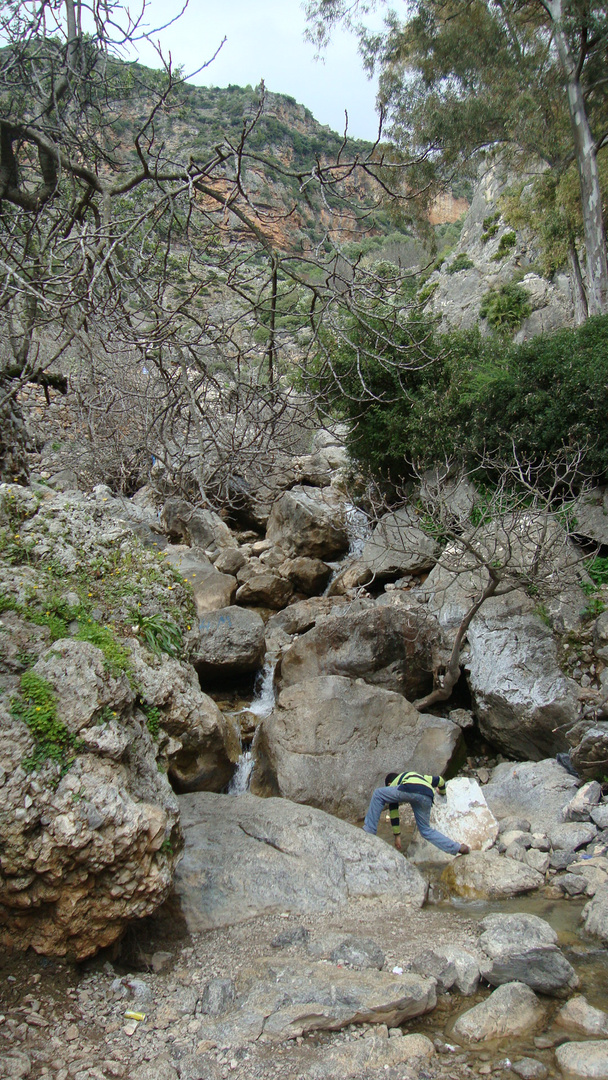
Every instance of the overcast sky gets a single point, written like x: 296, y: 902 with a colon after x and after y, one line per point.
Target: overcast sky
x: 265, y: 40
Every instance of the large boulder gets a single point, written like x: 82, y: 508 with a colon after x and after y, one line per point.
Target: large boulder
x: 489, y: 876
x: 203, y: 745
x: 523, y: 702
x: 331, y: 740
x: 590, y: 754
x: 89, y: 825
x: 590, y: 512
x: 247, y: 856
x: 229, y: 642
x: 389, y: 647
x: 399, y: 546
x: 578, y: 1016
x: 522, y: 948
x: 464, y: 816
x: 309, y: 521
x: 195, y: 526
x: 537, y: 791
x: 510, y: 1011
x: 260, y: 586
x: 211, y: 589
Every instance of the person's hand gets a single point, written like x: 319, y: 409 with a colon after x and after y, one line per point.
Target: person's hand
x: 464, y: 849
x: 398, y: 843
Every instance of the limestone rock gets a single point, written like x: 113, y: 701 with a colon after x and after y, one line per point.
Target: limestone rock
x: 261, y: 587
x: 591, y: 513
x: 229, y: 642
x: 330, y: 740
x: 584, y: 1060
x: 318, y: 996
x: 86, y: 851
x: 595, y: 915
x: 211, y: 589
x: 464, y: 816
x: 308, y: 576
x: 571, y: 835
x: 196, y: 526
x: 307, y: 521
x: 247, y: 856
x: 522, y: 948
x: 451, y: 966
x: 586, y: 799
x: 489, y: 876
x: 589, y: 756
x: 521, y: 698
x: 511, y: 1010
x: 537, y: 791
x: 579, y: 1016
x: 375, y: 1053
x: 388, y: 647
x: 399, y: 546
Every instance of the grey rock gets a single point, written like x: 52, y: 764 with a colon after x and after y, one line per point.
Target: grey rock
x: 572, y: 835
x: 358, y: 953
x: 571, y: 884
x: 511, y: 1010
x: 308, y: 576
x: 536, y: 790
x: 595, y: 915
x: 451, y: 966
x: 578, y: 1016
x: 247, y: 856
x: 328, y: 741
x: 529, y: 1069
x: 159, y: 1069
x: 586, y: 799
x: 591, y: 513
x: 195, y: 526
x: 521, y: 948
x: 508, y: 825
x: 229, y: 642
x: 488, y: 876
x: 560, y: 860
x: 265, y: 588
x: 599, y: 816
x: 306, y: 521
x: 584, y: 1060
x: 399, y: 546
x: 298, y: 936
x: 589, y: 756
x: 538, y: 860
x: 318, y: 996
x: 217, y: 997
x: 16, y: 1065
x: 385, y: 646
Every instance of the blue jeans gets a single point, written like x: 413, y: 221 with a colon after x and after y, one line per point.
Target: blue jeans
x: 420, y: 804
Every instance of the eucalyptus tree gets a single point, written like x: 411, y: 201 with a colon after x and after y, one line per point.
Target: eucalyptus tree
x: 528, y: 76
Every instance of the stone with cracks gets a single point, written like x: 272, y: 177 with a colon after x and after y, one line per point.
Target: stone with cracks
x: 578, y: 1016
x: 389, y: 647
x: 571, y: 835
x: 399, y: 546
x: 489, y: 876
x: 308, y: 521
x: 595, y: 915
x: 451, y: 966
x: 276, y: 1002
x: 195, y: 526
x: 536, y: 791
x: 512, y: 1010
x: 463, y: 815
x: 247, y: 856
x: 85, y: 852
x: 584, y: 1060
x: 229, y: 642
x: 522, y: 948
x: 211, y: 590
x: 590, y: 755
x: 586, y: 799
x: 330, y: 741
x: 522, y: 700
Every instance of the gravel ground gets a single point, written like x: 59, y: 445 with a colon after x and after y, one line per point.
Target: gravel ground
x: 68, y: 1021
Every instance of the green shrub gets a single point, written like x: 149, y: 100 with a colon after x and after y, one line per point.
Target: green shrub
x: 506, y: 244
x: 117, y: 657
x: 159, y: 632
x: 505, y: 308
x: 461, y: 262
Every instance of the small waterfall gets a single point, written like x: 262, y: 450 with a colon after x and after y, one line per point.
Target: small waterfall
x: 358, y: 529
x: 261, y: 706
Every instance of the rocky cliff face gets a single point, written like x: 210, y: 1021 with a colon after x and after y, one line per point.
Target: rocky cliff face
x: 491, y: 254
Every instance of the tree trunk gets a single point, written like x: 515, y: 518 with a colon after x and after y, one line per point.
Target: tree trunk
x: 586, y: 161
x: 13, y: 442
x: 581, y: 310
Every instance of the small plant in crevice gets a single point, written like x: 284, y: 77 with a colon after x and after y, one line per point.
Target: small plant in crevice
x: 37, y: 708
x: 117, y: 657
x: 505, y: 246
x: 461, y: 262
x: 159, y: 632
x: 152, y: 715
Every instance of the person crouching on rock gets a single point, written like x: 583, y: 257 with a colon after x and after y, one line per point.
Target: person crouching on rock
x: 419, y: 791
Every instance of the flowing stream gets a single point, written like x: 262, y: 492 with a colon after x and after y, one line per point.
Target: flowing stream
x: 261, y: 706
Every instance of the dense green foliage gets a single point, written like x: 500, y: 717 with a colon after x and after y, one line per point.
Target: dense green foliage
x: 465, y: 394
